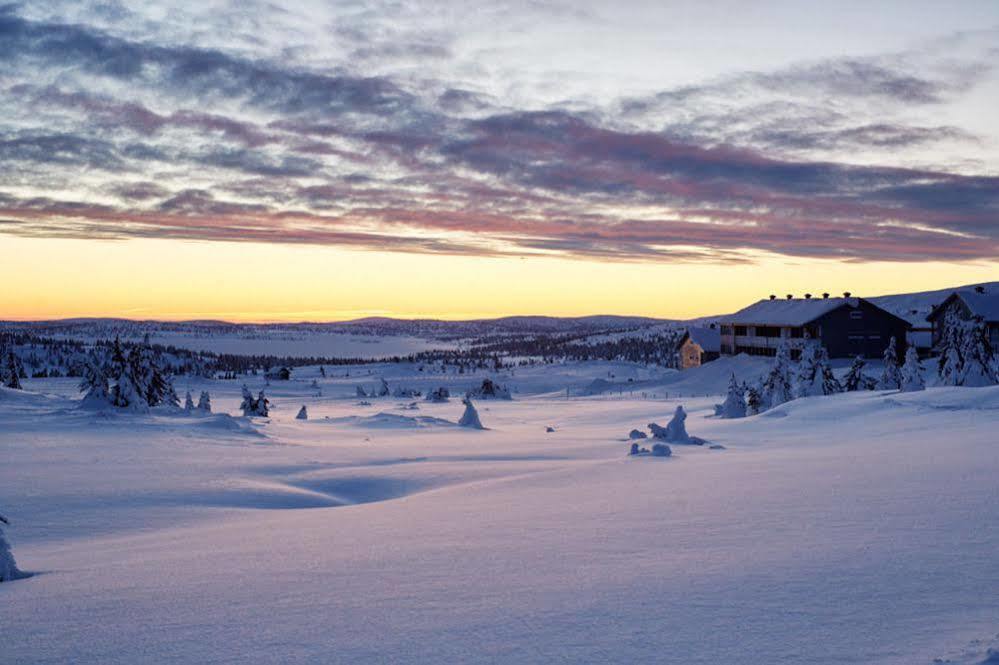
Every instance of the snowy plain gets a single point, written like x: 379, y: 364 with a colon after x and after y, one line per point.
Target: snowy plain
x: 855, y: 528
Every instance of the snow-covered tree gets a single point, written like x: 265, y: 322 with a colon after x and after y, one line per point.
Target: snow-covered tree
x: 205, y: 402
x: 912, y: 372
x: 950, y: 365
x: 13, y: 370
x: 855, y: 379
x: 828, y: 382
x: 8, y: 567
x: 383, y: 388
x: 303, y: 414
x: 248, y: 405
x: 976, y: 352
x: 188, y: 402
x: 734, y: 405
x: 470, y: 418
x: 753, y: 401
x: 361, y: 392
x: 675, y: 430
x: 891, y: 375
x: 262, y: 405
x: 95, y: 384
x: 776, y: 388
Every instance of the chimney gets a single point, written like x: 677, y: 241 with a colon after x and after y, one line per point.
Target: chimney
x: 825, y: 296
x: 808, y: 296
x: 790, y: 296
x: 979, y: 289
x: 846, y: 294
x: 773, y: 297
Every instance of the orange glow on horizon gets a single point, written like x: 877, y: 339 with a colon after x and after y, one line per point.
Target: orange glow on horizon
x: 253, y: 282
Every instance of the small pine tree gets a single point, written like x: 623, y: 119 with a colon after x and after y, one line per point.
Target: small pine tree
x: 470, y: 418
x: 205, y: 402
x: 188, y: 402
x: 95, y: 383
x: 891, y: 376
x: 950, y: 366
x: 855, y: 379
x: 776, y: 388
x: 262, y: 405
x: 912, y: 372
x: 248, y: 405
x: 303, y: 414
x: 753, y: 402
x: 828, y: 382
x: 8, y: 567
x: 976, y: 351
x: 13, y: 370
x: 735, y: 402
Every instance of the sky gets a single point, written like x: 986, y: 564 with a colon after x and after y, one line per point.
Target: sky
x: 260, y: 161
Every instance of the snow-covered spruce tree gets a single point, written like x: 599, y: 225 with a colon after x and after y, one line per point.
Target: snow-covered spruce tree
x: 95, y: 384
x: 976, y: 351
x: 912, y: 372
x: 383, y: 389
x: 13, y: 370
x: 734, y: 405
x: 855, y: 379
x: 470, y: 418
x: 303, y: 414
x: 891, y: 376
x: 950, y: 364
x: 262, y: 405
x: 752, y: 401
x: 248, y: 406
x: 776, y: 387
x: 361, y: 392
x: 8, y: 567
x: 205, y: 402
x: 828, y: 382
x: 807, y: 371
x: 188, y: 402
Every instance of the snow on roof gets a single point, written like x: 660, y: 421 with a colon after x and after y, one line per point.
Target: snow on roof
x: 795, y: 312
x: 985, y: 305
x: 709, y: 339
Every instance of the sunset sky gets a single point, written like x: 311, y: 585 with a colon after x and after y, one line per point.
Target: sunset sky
x: 332, y: 160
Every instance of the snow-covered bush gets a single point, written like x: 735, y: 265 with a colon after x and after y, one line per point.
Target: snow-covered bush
x: 891, y: 376
x: 303, y: 414
x: 251, y: 406
x: 912, y: 372
x: 470, y: 418
x: 675, y: 431
x: 360, y: 391
x: 405, y: 392
x: 637, y: 450
x: 491, y: 390
x: 735, y: 402
x: 637, y: 434
x: 661, y: 450
x: 8, y: 567
x: 205, y: 402
x: 439, y: 395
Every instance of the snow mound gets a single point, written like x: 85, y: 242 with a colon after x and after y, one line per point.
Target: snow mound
x: 384, y: 420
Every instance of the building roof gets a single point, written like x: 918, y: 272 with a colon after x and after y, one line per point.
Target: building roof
x: 709, y: 339
x: 794, y: 312
x: 985, y: 305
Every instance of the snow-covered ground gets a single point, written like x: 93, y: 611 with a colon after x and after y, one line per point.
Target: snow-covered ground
x: 855, y: 528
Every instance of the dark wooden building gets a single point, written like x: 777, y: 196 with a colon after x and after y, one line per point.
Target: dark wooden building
x: 977, y: 303
x: 847, y: 327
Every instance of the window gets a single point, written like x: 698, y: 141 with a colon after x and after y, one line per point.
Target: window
x: 726, y: 330
x: 856, y: 314
x: 874, y: 337
x: 740, y: 330
x: 797, y: 332
x: 767, y: 331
